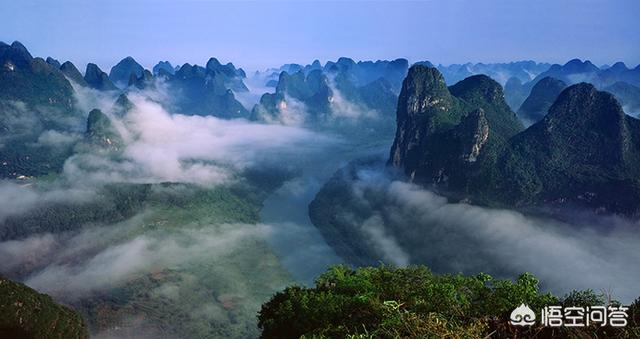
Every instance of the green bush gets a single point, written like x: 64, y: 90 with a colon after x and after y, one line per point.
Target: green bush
x: 389, y: 302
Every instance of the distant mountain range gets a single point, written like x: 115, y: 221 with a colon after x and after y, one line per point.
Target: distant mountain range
x: 207, y: 90
x: 361, y: 72
x: 577, y: 70
x: 617, y: 79
x: 358, y: 97
x: 518, y: 78
x: 38, y: 96
x: 501, y: 72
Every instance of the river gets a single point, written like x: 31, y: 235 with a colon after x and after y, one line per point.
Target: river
x: 300, y: 246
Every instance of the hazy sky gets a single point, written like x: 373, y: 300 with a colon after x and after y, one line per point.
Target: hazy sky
x: 258, y: 34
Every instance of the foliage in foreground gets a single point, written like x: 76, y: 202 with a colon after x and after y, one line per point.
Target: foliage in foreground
x: 388, y: 302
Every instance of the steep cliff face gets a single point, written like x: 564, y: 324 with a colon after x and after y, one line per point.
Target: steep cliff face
x: 465, y: 141
x: 542, y: 96
x: 473, y: 133
x: 424, y: 107
x: 445, y: 134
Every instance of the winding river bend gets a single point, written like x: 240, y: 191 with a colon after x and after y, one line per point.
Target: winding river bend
x: 300, y: 246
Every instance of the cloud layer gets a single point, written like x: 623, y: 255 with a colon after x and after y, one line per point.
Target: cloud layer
x: 161, y: 146
x: 408, y: 224
x: 97, y: 259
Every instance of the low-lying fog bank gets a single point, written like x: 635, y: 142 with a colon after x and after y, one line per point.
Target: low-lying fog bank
x: 368, y: 215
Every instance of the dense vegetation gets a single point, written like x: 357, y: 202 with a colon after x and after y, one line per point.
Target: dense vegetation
x: 117, y: 202
x: 389, y: 302
x: 584, y: 152
x: 34, y: 97
x: 201, y: 297
x: 25, y: 313
x: 218, y: 294
x: 208, y: 295
x: 466, y: 142
x: 32, y: 80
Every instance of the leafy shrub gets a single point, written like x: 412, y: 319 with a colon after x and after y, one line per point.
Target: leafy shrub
x: 389, y: 302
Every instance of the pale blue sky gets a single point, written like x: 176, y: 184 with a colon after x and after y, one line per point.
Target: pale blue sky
x: 257, y: 34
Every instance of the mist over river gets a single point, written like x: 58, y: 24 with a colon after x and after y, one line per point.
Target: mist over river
x: 301, y: 248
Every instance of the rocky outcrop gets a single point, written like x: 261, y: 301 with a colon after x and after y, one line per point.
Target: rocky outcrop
x: 424, y: 106
x: 441, y: 131
x: 473, y: 133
